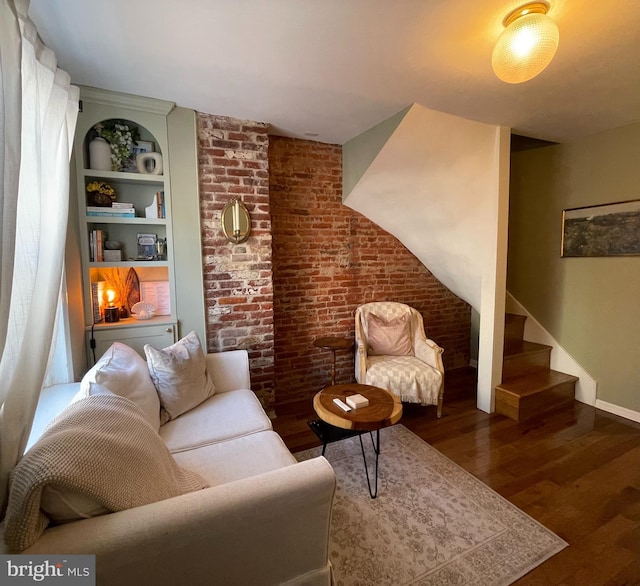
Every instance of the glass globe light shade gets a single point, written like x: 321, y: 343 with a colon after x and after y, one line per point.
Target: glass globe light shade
x: 525, y: 48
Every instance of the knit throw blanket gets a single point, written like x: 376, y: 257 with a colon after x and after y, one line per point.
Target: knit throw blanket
x: 101, y: 447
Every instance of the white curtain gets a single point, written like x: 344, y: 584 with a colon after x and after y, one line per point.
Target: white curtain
x: 38, y: 112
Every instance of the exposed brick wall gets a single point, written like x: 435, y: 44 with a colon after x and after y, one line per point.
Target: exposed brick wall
x: 233, y: 161
x: 327, y: 260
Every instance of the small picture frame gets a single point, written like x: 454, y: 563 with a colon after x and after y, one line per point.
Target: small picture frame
x: 147, y: 246
x: 143, y: 146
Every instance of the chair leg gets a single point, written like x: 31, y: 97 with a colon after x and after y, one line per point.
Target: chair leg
x: 439, y: 414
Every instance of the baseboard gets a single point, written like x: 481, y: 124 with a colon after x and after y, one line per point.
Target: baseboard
x: 561, y: 360
x: 473, y: 363
x: 617, y: 410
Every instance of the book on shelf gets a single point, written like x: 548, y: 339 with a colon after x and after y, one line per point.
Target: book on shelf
x: 160, y: 204
x: 111, y: 212
x: 119, y: 205
x: 156, y: 210
x: 99, y: 245
x: 96, y: 245
x: 97, y: 291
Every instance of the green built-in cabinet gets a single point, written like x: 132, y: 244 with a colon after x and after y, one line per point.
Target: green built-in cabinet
x: 152, y: 118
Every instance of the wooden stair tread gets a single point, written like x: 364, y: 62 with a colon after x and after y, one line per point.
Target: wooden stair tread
x: 520, y: 347
x: 535, y: 382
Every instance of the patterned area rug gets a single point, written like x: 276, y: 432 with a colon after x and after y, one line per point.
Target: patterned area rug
x: 432, y: 523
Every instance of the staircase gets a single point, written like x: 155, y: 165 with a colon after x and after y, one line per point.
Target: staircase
x: 529, y: 387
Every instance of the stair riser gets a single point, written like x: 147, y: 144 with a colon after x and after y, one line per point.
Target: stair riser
x: 514, y: 329
x: 522, y: 408
x: 525, y: 363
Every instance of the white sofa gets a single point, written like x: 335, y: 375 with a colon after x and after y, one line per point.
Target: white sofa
x: 263, y: 520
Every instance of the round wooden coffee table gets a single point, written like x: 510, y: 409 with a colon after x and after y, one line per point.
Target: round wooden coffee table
x: 384, y: 409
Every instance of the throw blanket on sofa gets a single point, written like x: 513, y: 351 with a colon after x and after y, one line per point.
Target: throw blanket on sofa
x: 103, y: 448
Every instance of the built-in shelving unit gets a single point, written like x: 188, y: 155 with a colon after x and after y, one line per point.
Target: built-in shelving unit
x: 150, y: 117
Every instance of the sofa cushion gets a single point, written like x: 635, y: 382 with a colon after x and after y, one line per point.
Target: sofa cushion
x: 389, y: 338
x: 238, y: 458
x: 124, y: 372
x: 179, y: 373
x: 219, y: 418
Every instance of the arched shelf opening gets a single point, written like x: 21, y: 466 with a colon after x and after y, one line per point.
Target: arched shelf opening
x: 114, y: 144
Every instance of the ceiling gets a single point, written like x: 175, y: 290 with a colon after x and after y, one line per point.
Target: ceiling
x: 330, y: 69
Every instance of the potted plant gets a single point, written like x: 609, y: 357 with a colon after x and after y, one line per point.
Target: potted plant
x: 122, y: 136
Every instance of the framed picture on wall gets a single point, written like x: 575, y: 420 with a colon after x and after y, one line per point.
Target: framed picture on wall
x: 603, y: 230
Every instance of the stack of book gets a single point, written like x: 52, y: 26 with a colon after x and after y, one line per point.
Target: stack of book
x: 96, y: 245
x: 117, y: 210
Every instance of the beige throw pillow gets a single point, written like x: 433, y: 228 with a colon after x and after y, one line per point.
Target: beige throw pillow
x: 124, y: 372
x: 180, y: 375
x: 389, y: 338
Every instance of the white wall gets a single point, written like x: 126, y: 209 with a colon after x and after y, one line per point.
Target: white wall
x: 440, y: 185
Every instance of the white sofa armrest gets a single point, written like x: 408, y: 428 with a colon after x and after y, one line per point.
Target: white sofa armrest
x: 229, y: 370
x: 267, y: 529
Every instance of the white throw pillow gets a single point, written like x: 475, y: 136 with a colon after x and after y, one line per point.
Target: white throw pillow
x: 124, y: 372
x: 180, y: 375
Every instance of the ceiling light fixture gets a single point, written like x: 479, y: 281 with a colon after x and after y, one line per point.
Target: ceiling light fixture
x: 527, y: 45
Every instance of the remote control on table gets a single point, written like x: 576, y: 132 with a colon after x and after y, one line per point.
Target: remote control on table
x: 340, y: 403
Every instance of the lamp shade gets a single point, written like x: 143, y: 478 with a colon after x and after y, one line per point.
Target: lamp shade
x: 525, y: 47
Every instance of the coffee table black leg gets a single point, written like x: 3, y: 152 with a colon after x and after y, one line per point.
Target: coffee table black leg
x: 376, y: 448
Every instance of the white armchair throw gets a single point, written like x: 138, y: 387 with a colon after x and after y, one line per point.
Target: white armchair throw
x: 412, y: 369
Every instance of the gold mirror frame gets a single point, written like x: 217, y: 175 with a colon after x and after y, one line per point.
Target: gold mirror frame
x: 236, y: 222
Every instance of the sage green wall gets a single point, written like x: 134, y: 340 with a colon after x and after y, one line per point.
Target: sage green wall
x: 590, y: 305
x: 360, y: 152
x: 185, y: 211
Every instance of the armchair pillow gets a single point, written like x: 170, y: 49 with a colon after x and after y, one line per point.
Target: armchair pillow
x: 180, y: 376
x: 389, y: 338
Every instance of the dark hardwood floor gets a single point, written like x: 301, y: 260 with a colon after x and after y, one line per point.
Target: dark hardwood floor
x: 576, y: 471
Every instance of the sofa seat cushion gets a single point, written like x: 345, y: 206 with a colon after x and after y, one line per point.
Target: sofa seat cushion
x: 238, y: 458
x: 219, y: 418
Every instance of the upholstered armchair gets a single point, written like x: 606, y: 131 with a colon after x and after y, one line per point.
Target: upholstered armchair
x: 393, y: 352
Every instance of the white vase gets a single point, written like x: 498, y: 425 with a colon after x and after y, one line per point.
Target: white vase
x: 99, y: 154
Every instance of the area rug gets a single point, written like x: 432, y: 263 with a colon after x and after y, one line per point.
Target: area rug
x: 433, y: 523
